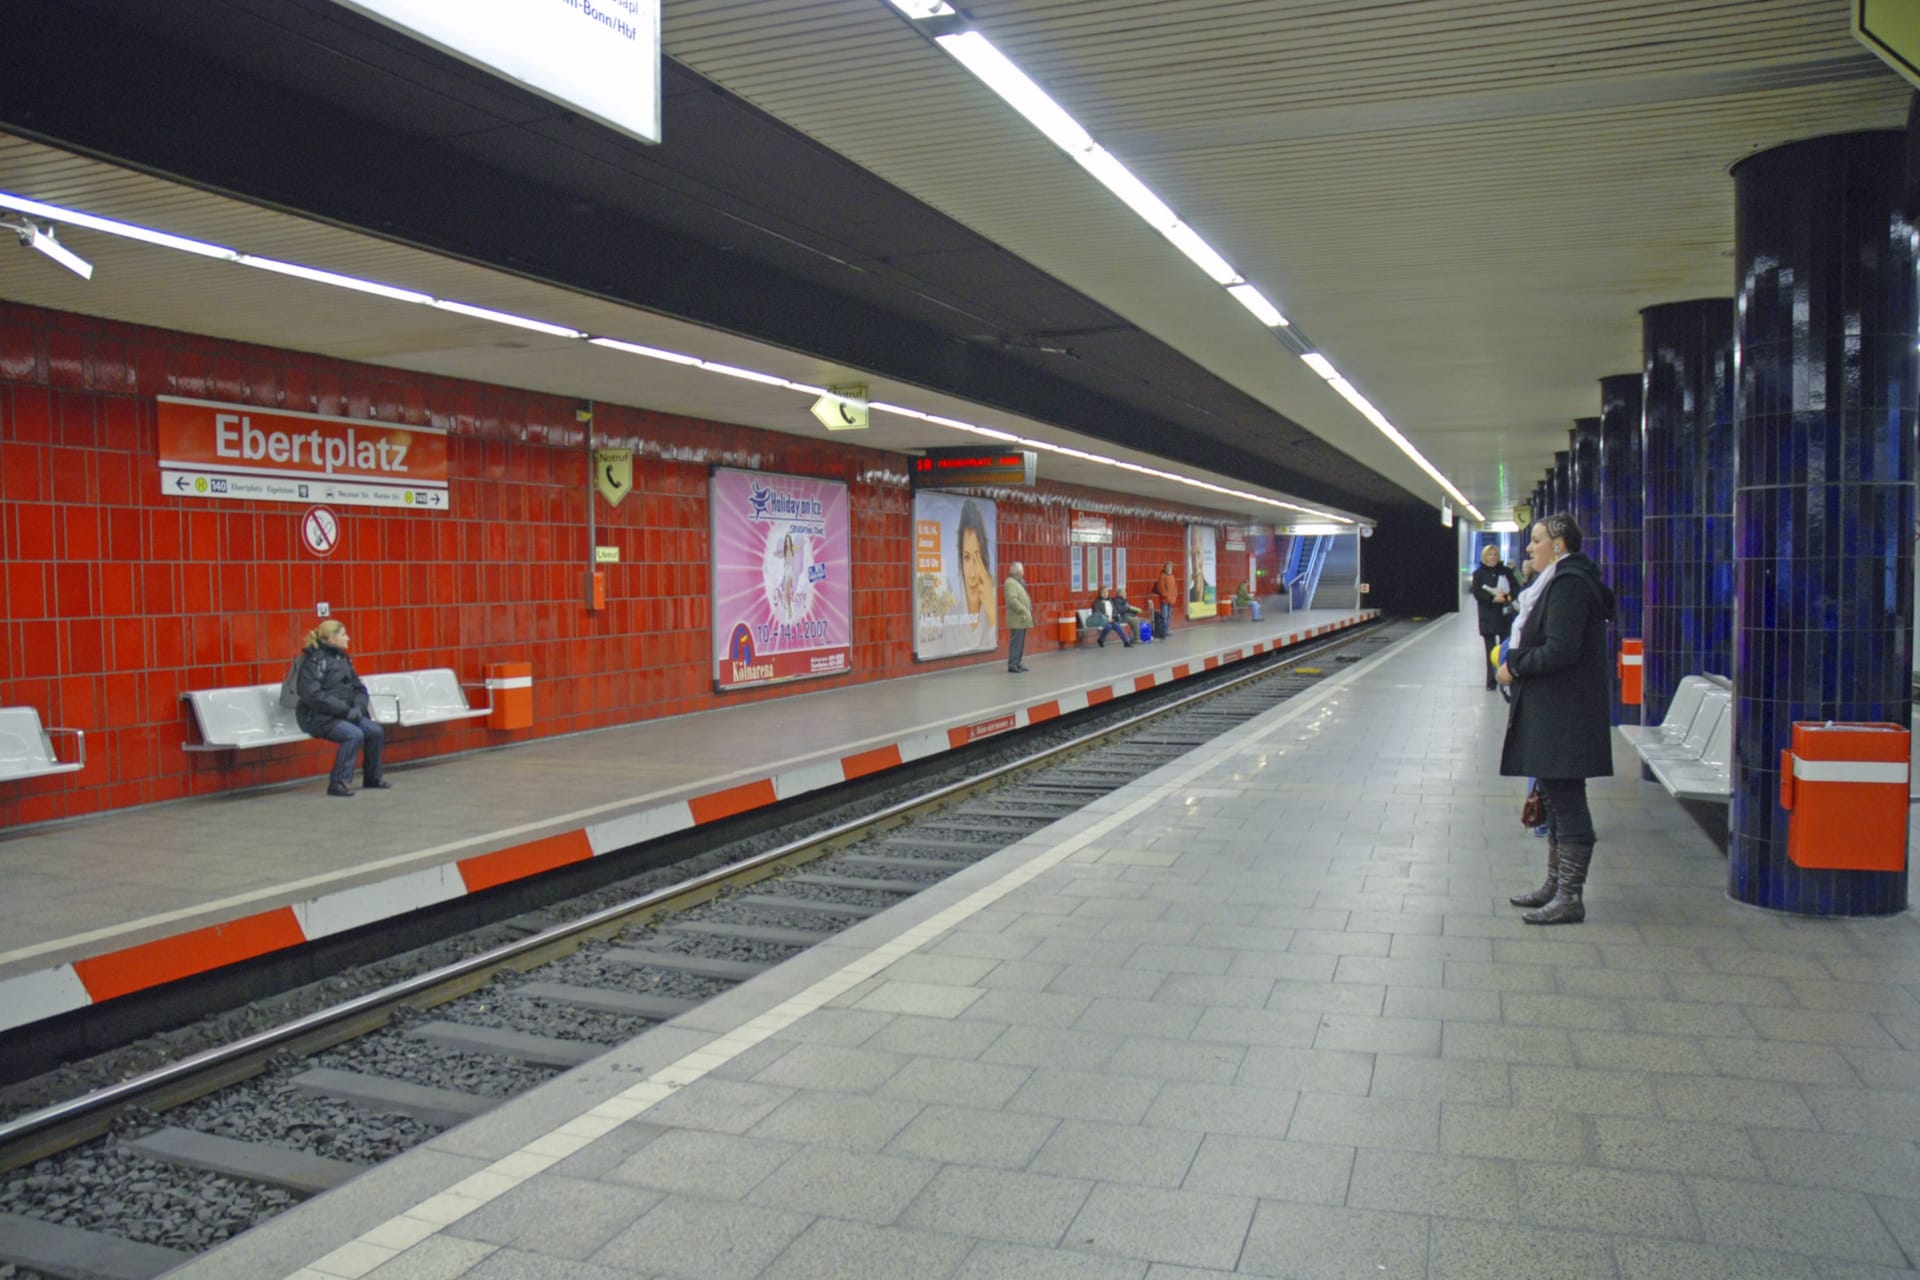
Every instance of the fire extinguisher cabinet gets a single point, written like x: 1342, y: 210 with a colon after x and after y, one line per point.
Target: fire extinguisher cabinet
x: 1844, y: 787
x: 1630, y: 672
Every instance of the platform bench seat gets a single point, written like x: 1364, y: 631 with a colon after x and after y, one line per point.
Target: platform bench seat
x: 26, y: 748
x: 1699, y: 764
x: 241, y: 718
x: 1090, y: 630
x: 433, y: 696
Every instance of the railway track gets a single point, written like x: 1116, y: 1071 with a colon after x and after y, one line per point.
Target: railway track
x: 132, y: 1179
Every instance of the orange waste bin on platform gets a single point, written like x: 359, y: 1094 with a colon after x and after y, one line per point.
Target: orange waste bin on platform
x: 511, y: 685
x: 1068, y: 629
x: 1630, y: 672
x: 1845, y: 787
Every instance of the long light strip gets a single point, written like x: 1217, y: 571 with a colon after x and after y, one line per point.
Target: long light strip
x: 146, y: 235
x: 998, y: 72
x: 972, y: 50
x: 1351, y: 394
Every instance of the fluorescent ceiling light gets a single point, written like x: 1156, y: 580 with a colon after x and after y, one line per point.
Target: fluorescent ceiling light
x: 41, y: 240
x: 977, y: 54
x: 1133, y: 193
x: 918, y: 9
x: 162, y: 239
x: 1201, y: 254
x: 127, y: 230
x: 1255, y: 301
x: 651, y: 353
x: 735, y: 371
x: 333, y: 278
x: 507, y: 317
x: 1320, y: 365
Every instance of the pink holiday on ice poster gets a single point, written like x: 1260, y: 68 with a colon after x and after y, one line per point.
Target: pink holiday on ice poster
x: 782, y: 597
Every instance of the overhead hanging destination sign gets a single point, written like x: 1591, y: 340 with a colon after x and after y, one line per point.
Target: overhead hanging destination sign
x: 600, y: 58
x: 940, y: 468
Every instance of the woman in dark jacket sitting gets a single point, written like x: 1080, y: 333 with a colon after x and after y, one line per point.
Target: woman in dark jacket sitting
x: 1493, y: 592
x: 334, y: 706
x: 1557, y: 725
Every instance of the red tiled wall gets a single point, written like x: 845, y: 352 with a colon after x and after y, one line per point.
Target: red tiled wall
x: 116, y: 599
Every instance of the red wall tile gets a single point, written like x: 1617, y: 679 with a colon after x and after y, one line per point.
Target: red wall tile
x: 119, y: 598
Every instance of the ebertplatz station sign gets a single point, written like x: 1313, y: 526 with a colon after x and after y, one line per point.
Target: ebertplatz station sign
x: 232, y: 452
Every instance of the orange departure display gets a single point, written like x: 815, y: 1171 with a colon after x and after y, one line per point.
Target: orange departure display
x: 939, y: 467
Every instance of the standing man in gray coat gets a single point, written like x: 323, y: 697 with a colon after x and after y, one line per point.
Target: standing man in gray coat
x: 1019, y: 615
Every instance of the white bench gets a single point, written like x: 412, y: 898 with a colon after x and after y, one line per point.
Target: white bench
x: 241, y: 718
x: 26, y: 749
x: 423, y: 697
x: 1690, y: 752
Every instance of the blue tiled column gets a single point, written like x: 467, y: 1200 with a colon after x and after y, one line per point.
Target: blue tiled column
x: 1584, y: 471
x: 1825, y: 509
x: 1687, y: 464
x: 1562, y: 481
x: 1617, y: 543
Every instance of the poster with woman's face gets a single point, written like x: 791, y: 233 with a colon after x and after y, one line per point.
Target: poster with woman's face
x: 1203, y: 572
x: 956, y: 593
x: 782, y: 589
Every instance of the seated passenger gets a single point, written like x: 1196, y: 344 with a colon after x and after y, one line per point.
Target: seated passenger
x: 334, y: 706
x: 1106, y: 613
x: 1247, y: 603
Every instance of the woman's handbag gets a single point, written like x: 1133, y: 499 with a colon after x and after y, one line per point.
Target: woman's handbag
x: 1534, y: 811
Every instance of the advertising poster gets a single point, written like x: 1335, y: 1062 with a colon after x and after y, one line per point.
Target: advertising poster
x: 1093, y: 570
x: 1120, y: 569
x: 1079, y: 582
x: 1106, y: 566
x: 782, y: 586
x: 956, y: 583
x: 1203, y: 572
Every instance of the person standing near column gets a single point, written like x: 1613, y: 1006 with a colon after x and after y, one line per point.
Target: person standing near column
x: 1493, y: 591
x: 1019, y: 615
x: 1557, y: 724
x: 1168, y: 590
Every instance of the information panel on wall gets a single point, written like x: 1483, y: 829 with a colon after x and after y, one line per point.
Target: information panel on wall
x: 956, y: 603
x: 1203, y: 572
x: 782, y: 580
x: 237, y: 453
x: 600, y: 58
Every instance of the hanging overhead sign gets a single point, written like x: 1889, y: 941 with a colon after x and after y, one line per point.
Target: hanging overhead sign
x: 234, y: 452
x: 941, y: 468
x: 843, y: 408
x: 600, y: 58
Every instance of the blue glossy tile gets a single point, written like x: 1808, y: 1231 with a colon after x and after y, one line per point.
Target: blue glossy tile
x: 1824, y: 476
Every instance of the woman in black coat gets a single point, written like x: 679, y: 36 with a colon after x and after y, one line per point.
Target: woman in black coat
x: 1493, y: 592
x: 1557, y: 725
x: 334, y: 706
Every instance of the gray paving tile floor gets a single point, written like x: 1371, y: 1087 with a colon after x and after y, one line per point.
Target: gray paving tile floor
x: 1335, y: 1052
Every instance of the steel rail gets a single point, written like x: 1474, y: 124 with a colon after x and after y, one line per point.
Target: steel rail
x: 51, y: 1129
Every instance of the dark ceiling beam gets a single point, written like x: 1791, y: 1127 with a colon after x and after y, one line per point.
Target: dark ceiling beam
x: 375, y: 153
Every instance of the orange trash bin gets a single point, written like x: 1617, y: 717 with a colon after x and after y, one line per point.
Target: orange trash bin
x: 1631, y: 672
x: 1844, y: 787
x: 511, y: 686
x: 1068, y: 629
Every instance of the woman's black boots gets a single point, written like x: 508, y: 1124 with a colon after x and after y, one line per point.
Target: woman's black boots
x: 1565, y: 906
x: 1544, y: 894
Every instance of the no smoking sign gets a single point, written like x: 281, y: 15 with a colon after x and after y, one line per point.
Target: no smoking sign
x: 320, y: 530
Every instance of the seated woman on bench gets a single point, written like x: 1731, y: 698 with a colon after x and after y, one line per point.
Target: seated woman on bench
x: 334, y: 706
x: 1110, y: 615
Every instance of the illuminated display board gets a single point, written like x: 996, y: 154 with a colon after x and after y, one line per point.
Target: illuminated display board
x: 939, y: 468
x: 600, y: 58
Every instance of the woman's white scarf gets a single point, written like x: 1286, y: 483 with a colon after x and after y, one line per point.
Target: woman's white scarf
x: 1528, y: 599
